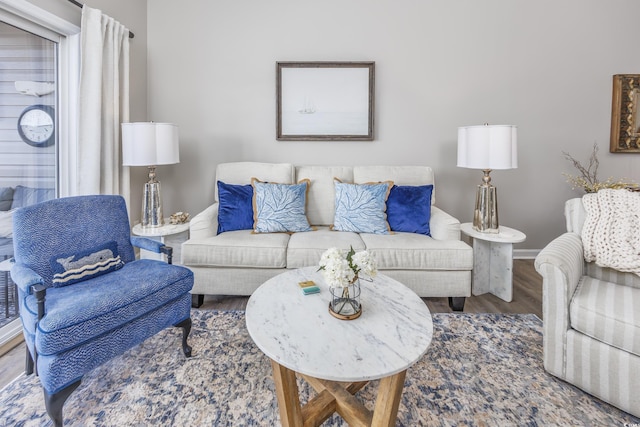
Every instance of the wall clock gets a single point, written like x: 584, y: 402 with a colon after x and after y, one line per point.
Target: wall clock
x: 36, y: 125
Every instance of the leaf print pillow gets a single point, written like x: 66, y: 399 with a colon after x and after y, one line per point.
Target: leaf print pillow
x: 280, y: 207
x: 361, y: 207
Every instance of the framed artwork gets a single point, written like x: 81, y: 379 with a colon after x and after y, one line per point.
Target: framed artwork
x: 324, y: 101
x: 625, y: 114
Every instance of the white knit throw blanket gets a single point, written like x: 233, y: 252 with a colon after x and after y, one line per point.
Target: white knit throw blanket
x: 611, y: 230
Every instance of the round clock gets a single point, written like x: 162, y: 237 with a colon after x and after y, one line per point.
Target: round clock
x: 36, y: 125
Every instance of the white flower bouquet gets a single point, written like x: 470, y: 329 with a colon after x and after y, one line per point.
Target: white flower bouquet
x: 340, y: 267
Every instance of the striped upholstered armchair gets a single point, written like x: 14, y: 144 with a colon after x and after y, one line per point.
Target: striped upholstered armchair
x: 591, y: 319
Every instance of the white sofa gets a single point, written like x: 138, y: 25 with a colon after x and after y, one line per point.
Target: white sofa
x: 237, y: 262
x: 591, y: 319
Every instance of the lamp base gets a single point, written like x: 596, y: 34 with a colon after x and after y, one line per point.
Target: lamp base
x: 485, y: 214
x: 152, y: 205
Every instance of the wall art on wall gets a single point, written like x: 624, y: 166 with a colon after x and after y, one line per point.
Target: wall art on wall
x: 625, y: 114
x: 324, y: 101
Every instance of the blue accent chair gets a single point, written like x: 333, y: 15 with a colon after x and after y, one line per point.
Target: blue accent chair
x: 71, y: 329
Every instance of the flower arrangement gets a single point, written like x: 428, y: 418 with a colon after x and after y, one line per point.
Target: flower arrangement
x: 340, y: 267
x: 588, y: 178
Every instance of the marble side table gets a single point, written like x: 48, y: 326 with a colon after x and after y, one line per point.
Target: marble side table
x: 173, y: 235
x: 338, y: 357
x: 493, y: 260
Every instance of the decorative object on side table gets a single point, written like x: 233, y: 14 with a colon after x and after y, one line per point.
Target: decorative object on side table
x: 341, y: 270
x: 487, y: 147
x: 179, y: 218
x: 150, y: 144
x: 588, y: 177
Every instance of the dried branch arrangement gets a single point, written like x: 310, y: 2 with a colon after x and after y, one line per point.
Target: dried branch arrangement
x: 588, y: 177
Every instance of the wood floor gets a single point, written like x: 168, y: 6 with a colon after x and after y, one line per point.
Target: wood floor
x: 527, y: 298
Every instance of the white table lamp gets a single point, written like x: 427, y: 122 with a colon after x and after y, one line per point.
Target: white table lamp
x: 487, y: 147
x: 150, y: 144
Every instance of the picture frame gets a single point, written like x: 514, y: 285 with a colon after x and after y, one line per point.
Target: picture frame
x: 625, y: 114
x: 325, y: 101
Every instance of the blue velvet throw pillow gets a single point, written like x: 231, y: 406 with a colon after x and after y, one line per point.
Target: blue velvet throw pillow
x: 235, y: 211
x: 85, y: 265
x: 409, y: 208
x: 361, y: 207
x: 279, y: 208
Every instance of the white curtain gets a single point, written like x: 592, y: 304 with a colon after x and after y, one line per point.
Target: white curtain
x: 103, y: 105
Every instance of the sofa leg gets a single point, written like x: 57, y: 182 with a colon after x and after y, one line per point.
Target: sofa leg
x: 54, y: 402
x: 197, y: 300
x: 456, y: 303
x: 28, y: 365
x: 186, y: 329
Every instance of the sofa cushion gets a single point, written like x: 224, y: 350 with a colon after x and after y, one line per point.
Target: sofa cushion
x: 77, y: 267
x: 305, y: 249
x: 241, y: 248
x: 27, y: 196
x: 6, y: 224
x: 607, y: 312
x: 235, y: 211
x: 409, y: 208
x: 321, y: 196
x: 96, y: 311
x: 280, y: 207
x: 361, y: 207
x: 410, y: 251
x: 6, y: 198
x: 242, y: 172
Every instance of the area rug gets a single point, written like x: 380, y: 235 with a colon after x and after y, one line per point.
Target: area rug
x: 481, y: 370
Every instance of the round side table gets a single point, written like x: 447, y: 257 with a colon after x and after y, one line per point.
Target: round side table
x: 173, y: 235
x: 493, y: 260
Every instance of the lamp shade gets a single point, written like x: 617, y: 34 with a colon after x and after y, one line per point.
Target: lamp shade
x: 488, y: 147
x: 149, y: 144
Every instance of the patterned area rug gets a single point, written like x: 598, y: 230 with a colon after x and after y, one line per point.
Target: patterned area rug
x: 483, y: 370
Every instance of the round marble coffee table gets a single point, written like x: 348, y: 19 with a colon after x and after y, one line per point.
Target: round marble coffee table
x: 338, y: 357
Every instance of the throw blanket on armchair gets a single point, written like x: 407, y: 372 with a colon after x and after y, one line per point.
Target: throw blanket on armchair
x: 611, y: 230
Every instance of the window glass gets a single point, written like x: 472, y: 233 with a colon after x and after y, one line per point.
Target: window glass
x: 28, y: 137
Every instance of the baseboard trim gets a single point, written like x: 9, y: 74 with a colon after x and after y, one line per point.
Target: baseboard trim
x: 525, y: 253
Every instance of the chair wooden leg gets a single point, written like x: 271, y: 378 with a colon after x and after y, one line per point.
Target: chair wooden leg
x: 456, y: 303
x: 54, y: 402
x: 28, y: 365
x: 186, y: 329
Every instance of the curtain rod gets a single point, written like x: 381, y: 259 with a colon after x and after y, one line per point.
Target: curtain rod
x: 80, y: 5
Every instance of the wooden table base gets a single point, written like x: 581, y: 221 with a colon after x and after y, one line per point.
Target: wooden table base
x: 335, y: 397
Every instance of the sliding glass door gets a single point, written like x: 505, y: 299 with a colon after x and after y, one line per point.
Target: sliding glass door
x: 28, y: 138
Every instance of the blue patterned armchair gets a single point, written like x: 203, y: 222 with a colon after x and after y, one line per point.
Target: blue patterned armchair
x: 84, y: 298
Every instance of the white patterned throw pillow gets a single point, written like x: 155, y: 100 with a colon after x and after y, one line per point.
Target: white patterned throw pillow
x: 280, y: 207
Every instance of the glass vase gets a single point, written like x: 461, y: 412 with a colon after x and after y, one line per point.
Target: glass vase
x: 345, y: 302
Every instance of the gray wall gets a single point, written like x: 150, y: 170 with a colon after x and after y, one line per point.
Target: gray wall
x: 545, y: 66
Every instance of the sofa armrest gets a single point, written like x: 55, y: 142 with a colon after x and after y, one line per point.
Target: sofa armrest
x: 561, y: 265
x: 443, y: 226
x: 25, y: 278
x: 204, y: 224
